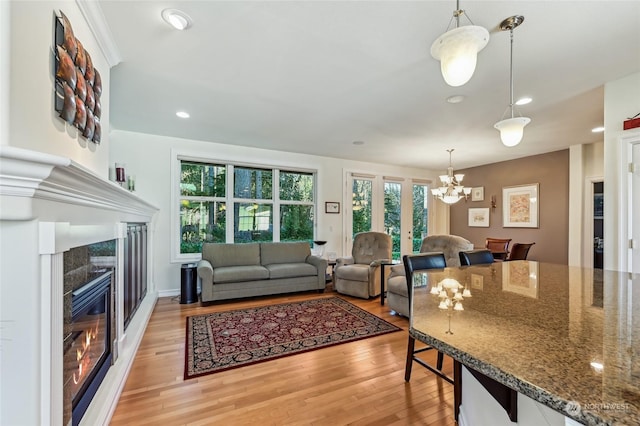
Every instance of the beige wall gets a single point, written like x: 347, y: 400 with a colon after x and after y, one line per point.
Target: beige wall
x: 551, y: 171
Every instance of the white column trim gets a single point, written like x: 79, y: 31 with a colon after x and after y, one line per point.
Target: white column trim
x: 52, y: 325
x: 625, y: 221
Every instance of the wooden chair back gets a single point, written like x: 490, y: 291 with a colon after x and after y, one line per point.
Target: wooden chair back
x: 520, y: 251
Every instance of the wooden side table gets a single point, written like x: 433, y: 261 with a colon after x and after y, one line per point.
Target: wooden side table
x: 329, y: 277
x: 332, y: 264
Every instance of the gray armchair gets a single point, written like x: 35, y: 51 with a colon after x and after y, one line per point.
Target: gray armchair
x: 359, y: 274
x: 450, y: 245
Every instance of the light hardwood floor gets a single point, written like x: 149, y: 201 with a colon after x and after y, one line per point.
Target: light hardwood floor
x: 359, y: 383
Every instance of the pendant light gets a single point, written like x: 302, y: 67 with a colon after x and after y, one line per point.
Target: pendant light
x: 511, y: 129
x: 457, y: 49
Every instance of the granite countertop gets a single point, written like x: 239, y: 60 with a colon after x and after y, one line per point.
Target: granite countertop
x: 564, y: 336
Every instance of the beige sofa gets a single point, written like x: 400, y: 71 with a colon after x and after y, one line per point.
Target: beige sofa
x: 450, y: 245
x: 231, y: 271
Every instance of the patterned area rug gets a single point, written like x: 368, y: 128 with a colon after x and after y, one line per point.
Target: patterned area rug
x: 223, y: 340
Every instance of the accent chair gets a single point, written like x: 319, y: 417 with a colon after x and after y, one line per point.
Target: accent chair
x: 359, y: 274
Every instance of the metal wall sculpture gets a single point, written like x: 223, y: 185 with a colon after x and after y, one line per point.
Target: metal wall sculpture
x: 78, y: 84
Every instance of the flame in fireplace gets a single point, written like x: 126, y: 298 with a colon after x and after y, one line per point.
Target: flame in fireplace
x: 83, y: 355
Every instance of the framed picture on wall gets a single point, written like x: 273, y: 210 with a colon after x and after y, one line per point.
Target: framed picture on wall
x: 332, y: 207
x: 477, y: 193
x: 479, y: 217
x: 520, y: 206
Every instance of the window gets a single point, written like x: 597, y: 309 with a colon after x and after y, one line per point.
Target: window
x: 202, y: 205
x: 253, y: 220
x: 296, y: 206
x: 233, y: 203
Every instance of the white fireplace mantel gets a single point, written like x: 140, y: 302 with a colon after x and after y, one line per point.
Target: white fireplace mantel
x: 31, y: 182
x: 49, y: 204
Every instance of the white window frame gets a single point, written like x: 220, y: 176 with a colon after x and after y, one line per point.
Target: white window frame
x: 177, y: 156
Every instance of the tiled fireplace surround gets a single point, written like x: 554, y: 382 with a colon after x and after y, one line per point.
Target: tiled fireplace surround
x: 49, y: 205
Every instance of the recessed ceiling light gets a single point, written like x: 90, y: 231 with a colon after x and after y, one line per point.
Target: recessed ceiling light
x: 358, y: 142
x: 599, y: 129
x: 455, y: 99
x: 183, y: 114
x: 177, y: 19
x: 523, y: 101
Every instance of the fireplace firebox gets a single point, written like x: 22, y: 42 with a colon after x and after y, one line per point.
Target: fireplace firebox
x: 88, y: 353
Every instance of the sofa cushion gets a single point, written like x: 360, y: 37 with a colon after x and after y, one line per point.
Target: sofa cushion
x: 355, y: 272
x: 290, y: 270
x: 229, y: 274
x: 231, y: 254
x: 289, y: 252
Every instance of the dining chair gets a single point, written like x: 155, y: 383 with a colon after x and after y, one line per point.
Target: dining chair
x: 519, y: 251
x: 413, y: 263
x: 475, y: 257
x: 498, y: 246
x: 396, y: 283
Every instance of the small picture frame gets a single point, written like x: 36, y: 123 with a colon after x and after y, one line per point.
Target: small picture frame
x: 477, y: 193
x: 479, y: 217
x: 332, y: 207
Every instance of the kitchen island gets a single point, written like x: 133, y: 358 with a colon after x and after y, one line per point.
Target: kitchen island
x: 567, y: 338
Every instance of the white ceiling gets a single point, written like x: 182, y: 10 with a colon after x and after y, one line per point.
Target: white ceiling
x: 314, y: 76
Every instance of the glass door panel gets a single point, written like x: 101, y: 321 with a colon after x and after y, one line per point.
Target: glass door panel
x: 420, y: 215
x: 361, y: 205
x: 393, y: 215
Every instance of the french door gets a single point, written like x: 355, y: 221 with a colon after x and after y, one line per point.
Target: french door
x: 395, y: 206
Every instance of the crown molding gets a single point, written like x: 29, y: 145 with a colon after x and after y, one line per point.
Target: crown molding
x: 92, y: 13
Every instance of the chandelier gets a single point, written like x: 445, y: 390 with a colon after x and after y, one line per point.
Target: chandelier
x: 457, y: 49
x: 451, y: 190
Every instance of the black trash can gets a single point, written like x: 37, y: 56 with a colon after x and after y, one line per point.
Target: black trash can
x: 188, y: 283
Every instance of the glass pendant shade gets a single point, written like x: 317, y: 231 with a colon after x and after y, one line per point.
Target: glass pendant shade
x: 457, y: 50
x: 511, y: 130
x: 451, y: 199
